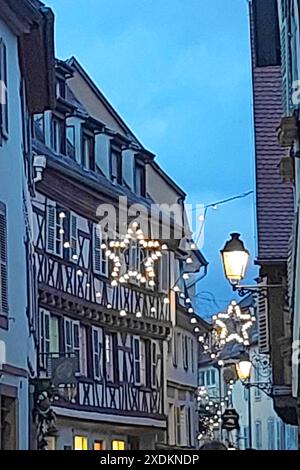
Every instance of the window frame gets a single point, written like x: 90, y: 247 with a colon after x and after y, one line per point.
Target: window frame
x: 4, y: 294
x: 98, y: 375
x: 4, y: 118
x: 98, y: 251
x: 88, y: 153
x: 58, y: 135
x: 137, y: 359
x: 118, y: 177
x: 58, y: 224
x: 140, y: 172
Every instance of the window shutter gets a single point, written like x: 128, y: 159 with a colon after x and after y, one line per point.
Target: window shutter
x: 99, y: 259
x: 137, y: 359
x: 51, y: 227
x: 73, y: 234
x: 153, y: 365
x: 164, y: 273
x: 68, y: 336
x: 285, y: 59
x: 76, y: 340
x: 45, y: 337
x: 262, y: 318
x: 3, y: 91
x: 3, y: 261
x: 97, y: 352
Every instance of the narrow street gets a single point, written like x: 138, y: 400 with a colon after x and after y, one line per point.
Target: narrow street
x: 149, y: 229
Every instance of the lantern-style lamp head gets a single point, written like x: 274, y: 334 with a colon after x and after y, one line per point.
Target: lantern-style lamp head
x: 243, y: 368
x: 235, y: 259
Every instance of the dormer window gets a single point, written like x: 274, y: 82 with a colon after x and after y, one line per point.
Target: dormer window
x: 116, y: 166
x: 58, y: 135
x: 140, y: 179
x: 88, y: 150
x: 60, y: 88
x: 70, y: 134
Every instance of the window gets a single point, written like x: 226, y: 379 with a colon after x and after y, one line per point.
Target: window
x: 88, y: 151
x: 72, y: 339
x: 48, y: 337
x: 185, y: 352
x: 60, y: 88
x: 257, y: 391
x: 271, y: 434
x: 70, y: 134
x: 26, y: 128
x: 3, y: 262
x: 178, y: 429
x: 246, y: 437
x: 73, y: 236
x: 97, y: 352
x: 39, y: 127
x: 258, y: 435
x: 99, y: 445
x: 153, y: 365
x: 137, y: 359
x: 83, y: 351
x: 111, y: 357
x: 176, y: 346
x: 58, y: 135
x: 118, y: 445
x: 51, y: 443
x: 80, y: 443
x: 207, y: 378
x: 280, y: 435
x: 8, y: 423
x: 99, y: 259
x: 134, y: 260
x: 3, y: 92
x: 116, y: 166
x: 55, y: 229
x: 140, y: 180
x: 192, y: 354
x: 189, y: 426
x: 164, y: 273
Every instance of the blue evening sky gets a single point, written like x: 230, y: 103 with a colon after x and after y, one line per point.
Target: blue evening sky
x: 178, y: 71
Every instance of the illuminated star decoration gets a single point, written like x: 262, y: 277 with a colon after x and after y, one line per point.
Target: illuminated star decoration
x: 234, y: 325
x: 148, y: 251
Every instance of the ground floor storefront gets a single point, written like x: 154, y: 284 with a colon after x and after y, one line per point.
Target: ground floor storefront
x: 14, y: 405
x: 82, y: 434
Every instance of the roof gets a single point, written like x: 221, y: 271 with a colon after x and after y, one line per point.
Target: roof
x: 274, y: 199
x: 74, y: 63
x: 34, y: 25
x: 168, y: 180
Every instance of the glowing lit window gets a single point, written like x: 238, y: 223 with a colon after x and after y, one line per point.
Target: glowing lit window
x: 80, y: 443
x: 118, y: 445
x: 98, y: 445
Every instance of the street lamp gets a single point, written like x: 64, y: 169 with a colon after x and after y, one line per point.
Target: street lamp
x: 243, y: 369
x: 235, y: 259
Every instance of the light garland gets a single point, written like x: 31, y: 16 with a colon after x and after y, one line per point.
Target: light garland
x: 115, y: 250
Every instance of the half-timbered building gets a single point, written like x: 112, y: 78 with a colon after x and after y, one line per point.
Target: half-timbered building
x: 86, y: 156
